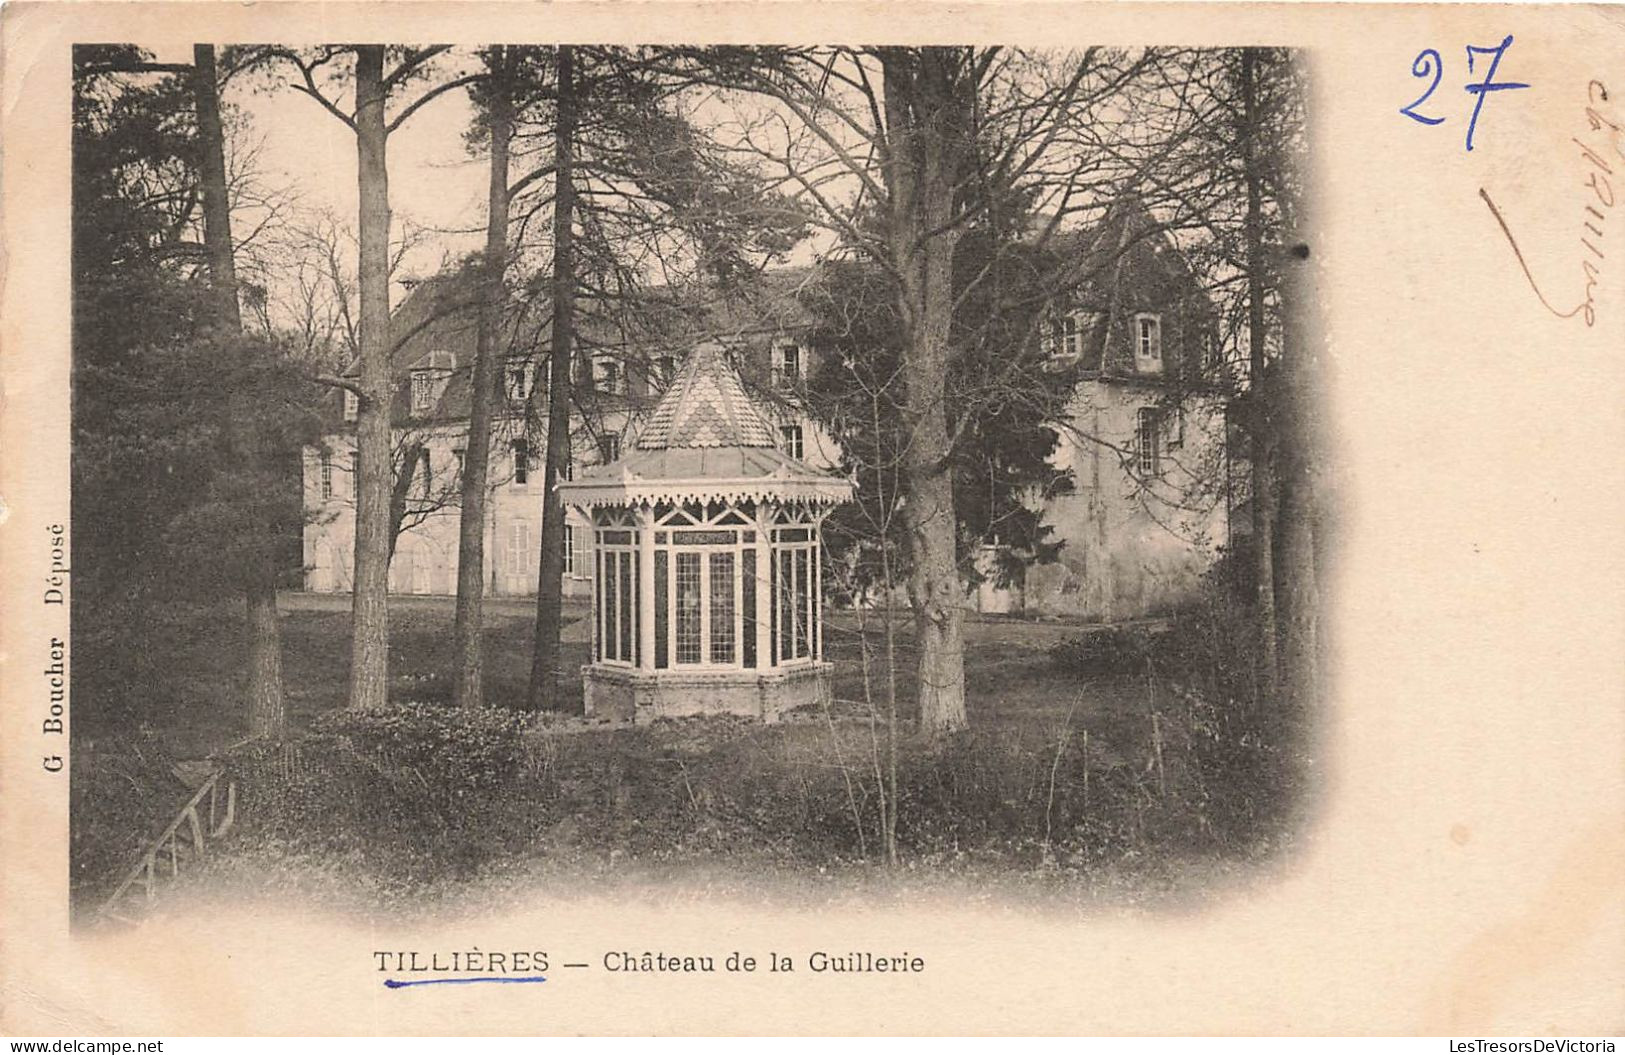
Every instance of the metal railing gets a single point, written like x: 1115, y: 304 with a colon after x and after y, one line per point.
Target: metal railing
x: 207, y: 816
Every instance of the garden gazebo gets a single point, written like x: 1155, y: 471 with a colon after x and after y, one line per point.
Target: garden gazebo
x: 706, y: 567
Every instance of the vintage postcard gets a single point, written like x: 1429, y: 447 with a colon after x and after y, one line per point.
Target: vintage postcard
x: 844, y: 518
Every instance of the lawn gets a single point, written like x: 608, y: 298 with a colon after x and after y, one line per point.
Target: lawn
x: 1061, y: 777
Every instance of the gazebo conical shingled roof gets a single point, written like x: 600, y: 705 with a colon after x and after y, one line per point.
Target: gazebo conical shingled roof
x: 707, y: 590
x: 706, y: 406
x: 706, y: 441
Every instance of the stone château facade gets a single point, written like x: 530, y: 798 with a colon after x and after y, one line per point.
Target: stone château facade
x: 1144, y: 515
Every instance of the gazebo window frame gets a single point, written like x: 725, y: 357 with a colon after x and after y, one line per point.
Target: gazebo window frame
x: 617, y: 589
x: 705, y: 532
x: 796, y: 590
x: 714, y: 545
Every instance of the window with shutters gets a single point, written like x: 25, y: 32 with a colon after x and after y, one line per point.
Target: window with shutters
x: 608, y: 375
x: 519, y: 379
x: 521, y: 462
x: 519, y: 549
x: 1148, y: 343
x: 790, y: 440
x: 422, y: 391
x: 1148, y: 441
x: 786, y: 368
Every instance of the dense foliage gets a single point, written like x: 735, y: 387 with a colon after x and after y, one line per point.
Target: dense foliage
x: 1180, y: 781
x: 185, y: 435
x: 1001, y: 401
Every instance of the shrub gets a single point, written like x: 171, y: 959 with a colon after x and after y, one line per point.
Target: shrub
x: 450, y: 748
x: 1109, y: 650
x: 407, y: 788
x: 123, y: 791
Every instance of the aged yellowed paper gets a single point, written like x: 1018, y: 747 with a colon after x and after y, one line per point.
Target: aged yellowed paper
x: 1452, y: 858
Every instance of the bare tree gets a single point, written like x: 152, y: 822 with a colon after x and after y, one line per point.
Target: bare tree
x: 898, y: 151
x: 375, y: 73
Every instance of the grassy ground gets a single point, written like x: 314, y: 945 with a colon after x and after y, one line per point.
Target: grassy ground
x: 1008, y: 675
x: 1062, y: 779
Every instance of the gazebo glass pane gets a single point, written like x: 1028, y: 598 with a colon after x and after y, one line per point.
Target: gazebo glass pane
x: 803, y: 604
x: 722, y: 608
x: 627, y: 610
x: 786, y: 606
x: 688, y: 607
x: 661, y: 571
x: 611, y: 595
x: 704, y: 538
x: 747, y: 605
x: 816, y: 634
x: 598, y: 607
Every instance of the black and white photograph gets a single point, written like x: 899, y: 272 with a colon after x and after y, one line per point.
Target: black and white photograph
x: 837, y: 468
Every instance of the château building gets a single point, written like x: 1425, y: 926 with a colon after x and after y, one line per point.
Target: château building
x: 1142, y: 440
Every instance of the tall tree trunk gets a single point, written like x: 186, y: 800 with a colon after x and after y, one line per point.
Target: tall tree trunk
x: 544, y: 669
x: 470, y: 616
x: 267, y: 713
x: 369, y: 663
x: 1259, y: 424
x: 1301, y: 462
x: 927, y: 131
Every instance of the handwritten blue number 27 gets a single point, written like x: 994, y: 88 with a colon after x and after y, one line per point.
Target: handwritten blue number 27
x: 1430, y: 64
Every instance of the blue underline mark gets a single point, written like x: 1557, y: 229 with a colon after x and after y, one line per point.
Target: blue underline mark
x: 396, y: 983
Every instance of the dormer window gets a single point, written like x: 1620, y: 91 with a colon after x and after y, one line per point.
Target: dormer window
x: 791, y: 441
x: 352, y: 405
x: 1066, y: 337
x: 519, y: 379
x: 665, y: 370
x: 1069, y: 340
x: 422, y: 391
x: 1148, y: 343
x: 607, y: 375
x: 609, y: 449
x: 786, y: 366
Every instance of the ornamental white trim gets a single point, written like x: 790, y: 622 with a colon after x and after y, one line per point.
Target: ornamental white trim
x: 630, y: 490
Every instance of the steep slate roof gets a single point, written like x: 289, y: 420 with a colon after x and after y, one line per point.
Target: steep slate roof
x: 706, y: 441
x: 1125, y: 263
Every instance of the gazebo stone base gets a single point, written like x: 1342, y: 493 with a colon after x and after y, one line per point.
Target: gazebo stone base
x: 627, y: 695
